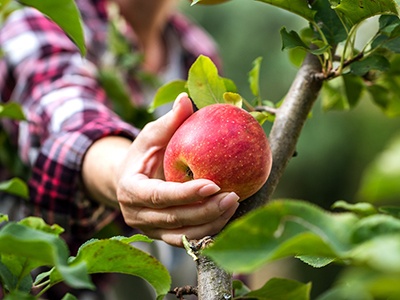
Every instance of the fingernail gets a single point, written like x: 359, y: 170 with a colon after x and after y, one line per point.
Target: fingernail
x: 176, y: 103
x: 208, y: 190
x: 178, y: 100
x: 228, y: 201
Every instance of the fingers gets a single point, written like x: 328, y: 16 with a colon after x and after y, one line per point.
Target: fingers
x: 156, y: 193
x: 195, y: 221
x: 188, y: 215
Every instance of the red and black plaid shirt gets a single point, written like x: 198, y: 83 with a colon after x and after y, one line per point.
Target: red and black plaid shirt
x: 66, y: 108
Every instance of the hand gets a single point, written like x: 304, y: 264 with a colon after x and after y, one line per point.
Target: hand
x: 168, y: 210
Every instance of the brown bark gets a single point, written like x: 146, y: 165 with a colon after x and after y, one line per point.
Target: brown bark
x: 213, y: 282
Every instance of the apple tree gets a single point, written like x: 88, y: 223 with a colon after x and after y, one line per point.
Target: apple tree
x: 341, y: 73
x: 362, y: 237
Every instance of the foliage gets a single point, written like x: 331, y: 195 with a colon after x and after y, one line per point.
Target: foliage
x: 364, y: 238
x: 361, y: 238
x: 205, y: 86
x: 380, y: 182
x: 276, y: 288
x: 29, y: 244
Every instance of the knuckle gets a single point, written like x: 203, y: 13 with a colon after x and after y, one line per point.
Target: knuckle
x: 172, y: 221
x: 155, y: 198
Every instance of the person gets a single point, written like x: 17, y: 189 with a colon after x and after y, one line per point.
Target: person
x: 88, y: 167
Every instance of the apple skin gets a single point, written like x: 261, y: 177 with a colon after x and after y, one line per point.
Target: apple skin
x: 222, y: 143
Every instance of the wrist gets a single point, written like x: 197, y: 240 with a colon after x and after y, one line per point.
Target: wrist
x: 100, y: 168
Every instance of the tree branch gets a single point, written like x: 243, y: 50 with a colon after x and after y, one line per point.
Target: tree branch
x: 213, y: 282
x: 285, y: 132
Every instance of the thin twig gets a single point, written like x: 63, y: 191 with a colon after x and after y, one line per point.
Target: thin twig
x: 179, y: 292
x: 268, y: 109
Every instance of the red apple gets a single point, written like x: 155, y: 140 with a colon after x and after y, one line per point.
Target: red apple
x: 222, y: 143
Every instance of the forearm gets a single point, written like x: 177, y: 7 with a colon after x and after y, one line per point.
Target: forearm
x: 100, y: 166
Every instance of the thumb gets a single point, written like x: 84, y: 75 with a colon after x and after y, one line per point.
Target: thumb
x: 159, y: 132
x: 181, y: 110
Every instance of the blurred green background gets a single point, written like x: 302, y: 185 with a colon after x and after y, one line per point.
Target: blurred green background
x: 335, y: 148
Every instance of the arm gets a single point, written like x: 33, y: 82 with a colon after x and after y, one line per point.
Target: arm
x: 66, y: 111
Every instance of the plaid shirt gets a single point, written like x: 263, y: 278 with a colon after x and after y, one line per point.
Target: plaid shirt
x: 66, y: 108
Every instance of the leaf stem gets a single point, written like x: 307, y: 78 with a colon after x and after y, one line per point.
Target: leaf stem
x: 45, y: 289
x: 349, y: 41
x: 268, y: 109
x: 327, y: 63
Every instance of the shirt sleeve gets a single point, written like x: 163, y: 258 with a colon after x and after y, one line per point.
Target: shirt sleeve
x: 66, y: 110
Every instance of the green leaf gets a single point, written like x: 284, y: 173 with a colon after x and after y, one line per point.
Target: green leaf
x: 17, y: 295
x: 364, y: 283
x: 388, y: 36
x: 24, y: 249
x: 374, y: 226
x: 66, y: 14
x: 12, y: 282
x: 315, y: 261
x: 351, y: 291
x: 132, y: 239
x: 281, y: 289
x: 116, y: 255
x: 360, y: 208
x: 393, y: 211
x: 372, y: 62
x: 204, y: 84
x: 342, y: 93
x: 385, y: 88
x: 386, y: 96
x: 392, y: 44
x: 233, y: 98
x: 230, y: 85
x: 292, y: 40
x: 354, y: 12
x: 380, y: 253
x: 329, y: 22
x: 388, y: 24
x: 300, y: 8
x: 380, y: 180
x: 12, y: 110
x: 168, y: 93
x: 297, y: 56
x: 69, y: 296
x: 293, y: 228
x: 16, y: 187
x: 3, y: 218
x: 40, y: 224
x: 254, y: 77
x: 262, y: 116
x: 239, y: 288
